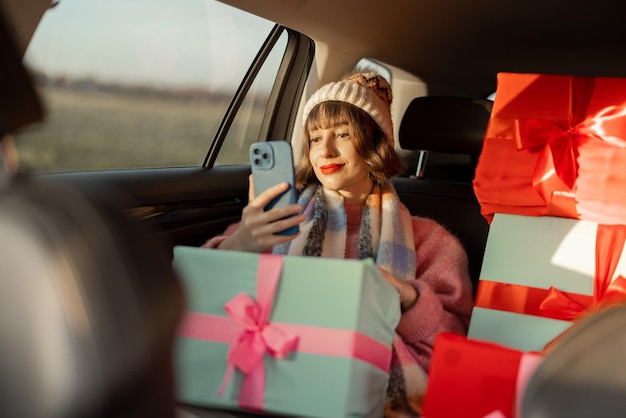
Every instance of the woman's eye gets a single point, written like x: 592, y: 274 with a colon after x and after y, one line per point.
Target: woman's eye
x: 343, y: 135
x: 314, y: 139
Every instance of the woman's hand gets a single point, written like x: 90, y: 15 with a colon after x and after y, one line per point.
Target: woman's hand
x: 256, y: 231
x: 408, y: 294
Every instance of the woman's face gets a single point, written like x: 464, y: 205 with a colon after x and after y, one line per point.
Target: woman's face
x: 337, y: 164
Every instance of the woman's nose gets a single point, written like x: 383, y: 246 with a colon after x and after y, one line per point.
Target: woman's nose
x: 328, y: 147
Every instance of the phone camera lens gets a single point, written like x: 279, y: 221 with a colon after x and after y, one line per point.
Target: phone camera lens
x: 257, y: 161
x: 256, y: 151
x: 265, y: 156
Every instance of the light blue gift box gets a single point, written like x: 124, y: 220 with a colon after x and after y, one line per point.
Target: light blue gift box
x: 538, y: 252
x: 320, y: 292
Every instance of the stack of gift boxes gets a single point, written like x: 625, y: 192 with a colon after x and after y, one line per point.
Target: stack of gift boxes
x: 551, y: 180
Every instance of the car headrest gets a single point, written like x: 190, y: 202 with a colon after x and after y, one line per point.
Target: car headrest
x: 454, y: 125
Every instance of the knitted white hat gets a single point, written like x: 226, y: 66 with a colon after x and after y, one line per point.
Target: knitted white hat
x: 368, y: 91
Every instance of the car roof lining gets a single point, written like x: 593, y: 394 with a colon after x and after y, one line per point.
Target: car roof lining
x: 457, y: 46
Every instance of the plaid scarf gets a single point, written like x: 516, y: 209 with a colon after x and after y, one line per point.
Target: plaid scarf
x: 385, y: 235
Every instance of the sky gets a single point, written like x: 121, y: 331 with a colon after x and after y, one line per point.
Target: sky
x: 198, y: 43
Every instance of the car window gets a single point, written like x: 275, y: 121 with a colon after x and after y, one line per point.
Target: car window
x: 142, y: 83
x: 248, y: 121
x: 369, y: 64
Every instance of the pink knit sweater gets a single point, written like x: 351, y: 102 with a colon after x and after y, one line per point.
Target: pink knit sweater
x: 441, y: 280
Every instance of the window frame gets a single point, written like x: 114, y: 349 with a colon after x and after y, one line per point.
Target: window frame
x: 280, y: 113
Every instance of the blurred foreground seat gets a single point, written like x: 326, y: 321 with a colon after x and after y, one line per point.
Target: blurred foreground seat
x: 88, y: 300
x: 88, y: 310
x: 584, y: 374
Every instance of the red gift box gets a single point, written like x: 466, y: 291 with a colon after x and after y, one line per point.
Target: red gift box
x: 555, y: 145
x: 473, y: 379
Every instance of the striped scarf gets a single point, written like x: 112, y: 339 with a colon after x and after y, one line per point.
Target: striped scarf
x: 386, y: 233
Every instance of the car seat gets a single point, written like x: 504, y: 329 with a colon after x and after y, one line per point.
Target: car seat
x: 453, y: 128
x: 89, y: 302
x: 584, y: 373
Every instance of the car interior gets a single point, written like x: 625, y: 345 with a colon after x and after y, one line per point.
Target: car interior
x: 445, y: 193
x: 99, y: 242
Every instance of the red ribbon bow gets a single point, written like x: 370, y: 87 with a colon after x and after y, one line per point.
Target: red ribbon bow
x: 556, y: 170
x: 258, y: 336
x: 609, y: 245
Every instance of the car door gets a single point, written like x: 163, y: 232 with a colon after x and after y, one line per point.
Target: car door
x: 195, y: 195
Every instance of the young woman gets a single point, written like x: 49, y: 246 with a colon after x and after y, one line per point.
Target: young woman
x: 348, y: 209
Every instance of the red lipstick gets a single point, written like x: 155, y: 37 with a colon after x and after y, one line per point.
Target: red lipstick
x: 331, y: 168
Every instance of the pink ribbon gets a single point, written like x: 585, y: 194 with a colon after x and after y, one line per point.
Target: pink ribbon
x: 527, y: 366
x: 258, y: 336
x: 251, y: 336
x: 496, y: 414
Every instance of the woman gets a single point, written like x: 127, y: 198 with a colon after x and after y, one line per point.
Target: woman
x: 348, y: 209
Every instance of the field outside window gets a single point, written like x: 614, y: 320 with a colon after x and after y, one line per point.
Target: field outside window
x: 142, y: 83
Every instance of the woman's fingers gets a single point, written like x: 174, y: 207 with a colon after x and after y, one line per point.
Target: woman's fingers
x: 254, y: 214
x: 261, y: 223
x: 257, y: 204
x: 408, y: 294
x: 258, y: 228
x: 285, y: 222
x: 263, y: 199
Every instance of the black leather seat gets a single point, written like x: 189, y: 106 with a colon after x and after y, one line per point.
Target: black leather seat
x: 442, y: 189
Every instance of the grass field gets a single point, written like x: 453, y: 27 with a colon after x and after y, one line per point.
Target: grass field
x: 94, y: 130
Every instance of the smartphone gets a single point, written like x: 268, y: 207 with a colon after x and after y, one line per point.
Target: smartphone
x: 272, y: 163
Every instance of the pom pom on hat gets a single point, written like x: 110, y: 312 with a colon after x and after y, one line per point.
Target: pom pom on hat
x: 368, y: 91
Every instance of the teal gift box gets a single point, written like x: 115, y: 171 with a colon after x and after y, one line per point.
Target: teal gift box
x: 540, y: 274
x: 287, y: 335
